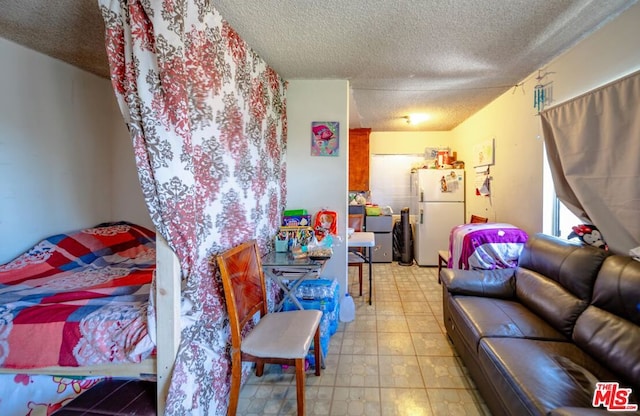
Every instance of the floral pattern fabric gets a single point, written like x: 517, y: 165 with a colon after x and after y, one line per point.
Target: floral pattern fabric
x: 208, y: 123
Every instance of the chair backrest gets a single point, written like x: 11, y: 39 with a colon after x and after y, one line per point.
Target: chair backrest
x: 475, y: 219
x: 356, y: 221
x: 244, y: 286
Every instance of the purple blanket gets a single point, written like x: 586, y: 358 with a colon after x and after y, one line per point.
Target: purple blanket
x: 485, y: 246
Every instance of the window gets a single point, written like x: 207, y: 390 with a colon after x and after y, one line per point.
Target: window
x: 557, y: 218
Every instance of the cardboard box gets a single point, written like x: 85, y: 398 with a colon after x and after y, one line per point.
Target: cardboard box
x: 294, y: 212
x: 296, y: 220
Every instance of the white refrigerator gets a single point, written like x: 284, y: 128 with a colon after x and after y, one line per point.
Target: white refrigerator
x: 437, y: 205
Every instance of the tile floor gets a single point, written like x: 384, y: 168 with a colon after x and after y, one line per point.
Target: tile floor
x: 394, y: 359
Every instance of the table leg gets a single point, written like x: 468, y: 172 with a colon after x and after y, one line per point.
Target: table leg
x: 370, y: 275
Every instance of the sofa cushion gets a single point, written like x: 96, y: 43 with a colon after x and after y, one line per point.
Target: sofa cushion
x: 550, y: 300
x: 535, y: 377
x: 555, y: 279
x: 488, y: 317
x: 571, y: 265
x: 608, y: 329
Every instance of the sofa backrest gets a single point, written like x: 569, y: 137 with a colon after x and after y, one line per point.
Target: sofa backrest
x: 555, y: 279
x: 609, y: 329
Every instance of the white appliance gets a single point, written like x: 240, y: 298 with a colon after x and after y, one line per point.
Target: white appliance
x: 437, y: 205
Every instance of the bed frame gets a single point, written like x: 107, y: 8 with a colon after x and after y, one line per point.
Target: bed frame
x: 167, y: 336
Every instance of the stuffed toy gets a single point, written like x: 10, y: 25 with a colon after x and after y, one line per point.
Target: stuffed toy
x: 588, y: 234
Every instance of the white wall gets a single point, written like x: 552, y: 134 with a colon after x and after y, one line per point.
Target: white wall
x: 398, y: 143
x: 128, y: 202
x: 57, y: 130
x: 315, y: 182
x: 517, y: 186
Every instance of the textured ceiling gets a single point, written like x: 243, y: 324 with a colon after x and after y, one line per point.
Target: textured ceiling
x: 448, y: 58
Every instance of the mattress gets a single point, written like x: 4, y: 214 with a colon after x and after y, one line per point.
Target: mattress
x: 79, y: 299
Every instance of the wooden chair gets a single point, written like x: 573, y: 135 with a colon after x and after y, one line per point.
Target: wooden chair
x: 354, y: 256
x: 443, y: 255
x: 279, y: 338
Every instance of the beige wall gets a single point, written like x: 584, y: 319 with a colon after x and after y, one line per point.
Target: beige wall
x: 316, y: 182
x: 412, y: 142
x: 66, y: 161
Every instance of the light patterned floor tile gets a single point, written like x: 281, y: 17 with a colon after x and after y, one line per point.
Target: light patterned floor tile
x: 413, y: 295
x: 399, y: 343
x: 423, y: 323
x: 355, y: 401
x: 442, y: 372
x: 389, y: 308
x: 273, y: 374
x: 362, y: 323
x: 360, y: 343
x: 405, y: 402
x: 416, y: 308
x: 432, y: 344
x: 392, y: 323
x: 358, y: 371
x: 393, y: 360
x: 455, y: 402
x: 400, y: 371
x: 327, y: 375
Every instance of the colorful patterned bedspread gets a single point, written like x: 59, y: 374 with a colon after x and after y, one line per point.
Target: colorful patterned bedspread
x: 39, y: 395
x: 485, y: 246
x: 79, y: 299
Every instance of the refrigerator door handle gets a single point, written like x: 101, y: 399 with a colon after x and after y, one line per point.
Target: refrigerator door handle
x: 421, y: 216
x: 421, y: 195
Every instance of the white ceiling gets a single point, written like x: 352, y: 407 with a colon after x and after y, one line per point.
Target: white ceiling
x: 448, y: 58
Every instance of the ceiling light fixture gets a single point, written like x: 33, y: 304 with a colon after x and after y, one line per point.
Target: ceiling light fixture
x: 416, y: 118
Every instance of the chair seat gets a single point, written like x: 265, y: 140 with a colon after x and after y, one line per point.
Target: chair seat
x: 293, y: 340
x: 354, y: 258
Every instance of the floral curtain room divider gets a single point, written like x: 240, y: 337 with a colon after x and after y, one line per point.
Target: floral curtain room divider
x: 208, y: 123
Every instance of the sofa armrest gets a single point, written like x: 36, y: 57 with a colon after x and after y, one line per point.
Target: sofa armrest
x: 498, y: 283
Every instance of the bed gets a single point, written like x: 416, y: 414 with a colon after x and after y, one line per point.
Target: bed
x: 485, y: 246
x: 76, y: 308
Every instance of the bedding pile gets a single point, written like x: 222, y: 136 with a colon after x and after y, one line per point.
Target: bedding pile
x: 485, y: 246
x: 79, y: 299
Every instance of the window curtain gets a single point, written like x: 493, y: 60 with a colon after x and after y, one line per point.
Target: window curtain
x: 593, y: 146
x: 208, y: 123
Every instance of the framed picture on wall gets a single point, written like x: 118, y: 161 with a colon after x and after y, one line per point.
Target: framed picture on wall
x: 483, y: 153
x: 325, y: 138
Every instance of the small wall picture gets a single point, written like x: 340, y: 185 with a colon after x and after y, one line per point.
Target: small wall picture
x: 483, y: 153
x: 325, y: 140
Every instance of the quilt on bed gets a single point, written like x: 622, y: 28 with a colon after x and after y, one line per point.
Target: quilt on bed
x: 79, y: 299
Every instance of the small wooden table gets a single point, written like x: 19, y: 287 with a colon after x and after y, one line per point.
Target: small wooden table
x: 366, y: 240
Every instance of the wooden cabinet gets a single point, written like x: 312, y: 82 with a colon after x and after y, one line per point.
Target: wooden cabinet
x: 359, y: 159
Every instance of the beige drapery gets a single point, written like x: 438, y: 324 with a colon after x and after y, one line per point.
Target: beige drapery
x: 593, y: 147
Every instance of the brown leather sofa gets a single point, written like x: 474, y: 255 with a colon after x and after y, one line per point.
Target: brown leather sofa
x: 537, y: 338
